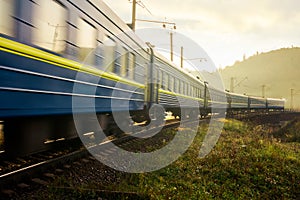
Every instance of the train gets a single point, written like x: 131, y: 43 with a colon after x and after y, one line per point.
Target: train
x: 64, y: 57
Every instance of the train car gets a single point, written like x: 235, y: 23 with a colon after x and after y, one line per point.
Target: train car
x: 44, y: 56
x: 237, y: 101
x: 216, y: 100
x: 83, y: 52
x: 257, y: 103
x: 178, y: 91
x: 82, y: 60
x: 275, y: 104
x: 46, y: 68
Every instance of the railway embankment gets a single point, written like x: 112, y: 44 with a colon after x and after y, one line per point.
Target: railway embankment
x: 250, y: 161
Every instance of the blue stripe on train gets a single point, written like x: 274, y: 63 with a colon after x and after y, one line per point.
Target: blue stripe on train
x: 13, y: 104
x: 22, y: 103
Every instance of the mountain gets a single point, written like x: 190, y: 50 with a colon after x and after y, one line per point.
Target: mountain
x: 275, y: 73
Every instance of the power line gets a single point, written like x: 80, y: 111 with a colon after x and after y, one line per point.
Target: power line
x: 233, y: 85
x: 142, y: 5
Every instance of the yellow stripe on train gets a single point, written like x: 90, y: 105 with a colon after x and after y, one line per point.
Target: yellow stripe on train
x: 36, y: 54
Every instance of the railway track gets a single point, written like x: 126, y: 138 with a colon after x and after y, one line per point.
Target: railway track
x: 38, y: 164
x: 25, y: 169
x: 13, y: 170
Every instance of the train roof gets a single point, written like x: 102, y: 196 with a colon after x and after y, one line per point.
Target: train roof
x: 276, y: 99
x: 236, y: 94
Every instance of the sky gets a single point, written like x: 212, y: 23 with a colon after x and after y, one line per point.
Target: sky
x: 227, y: 30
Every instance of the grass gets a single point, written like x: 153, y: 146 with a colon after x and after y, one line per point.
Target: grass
x: 290, y: 133
x: 247, y: 163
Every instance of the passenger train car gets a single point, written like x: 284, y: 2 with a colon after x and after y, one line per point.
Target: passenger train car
x: 49, y: 46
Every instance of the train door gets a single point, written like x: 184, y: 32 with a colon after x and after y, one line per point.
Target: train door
x: 155, y: 83
x: 151, y: 96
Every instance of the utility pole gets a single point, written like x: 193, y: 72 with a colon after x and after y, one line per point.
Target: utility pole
x: 171, y: 45
x: 181, y: 57
x: 263, y: 89
x: 164, y: 26
x: 133, y: 15
x: 292, y: 99
x: 231, y: 84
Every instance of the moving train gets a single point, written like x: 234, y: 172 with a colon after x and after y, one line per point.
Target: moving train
x: 60, y: 57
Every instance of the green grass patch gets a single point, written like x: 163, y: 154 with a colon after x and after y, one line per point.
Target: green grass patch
x: 246, y: 163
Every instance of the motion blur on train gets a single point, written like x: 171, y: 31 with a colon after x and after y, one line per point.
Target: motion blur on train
x: 45, y: 44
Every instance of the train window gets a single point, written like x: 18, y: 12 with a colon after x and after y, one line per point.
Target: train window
x: 165, y: 80
x: 109, y: 46
x: 140, y: 72
x: 99, y: 52
x: 186, y: 91
x: 155, y: 73
x: 121, y: 61
x: 101, y: 36
x: 51, y: 29
x: 86, y: 41
x: 124, y: 62
x: 171, y: 83
x: 6, y: 16
x: 180, y: 87
x: 176, y: 85
x: 118, y: 60
x: 192, y: 91
x: 99, y: 55
x: 160, y: 77
x: 131, y: 66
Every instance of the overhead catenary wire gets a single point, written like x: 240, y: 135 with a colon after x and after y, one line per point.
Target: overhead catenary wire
x: 142, y: 5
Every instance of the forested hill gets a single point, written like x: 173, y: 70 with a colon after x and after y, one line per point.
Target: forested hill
x: 275, y: 72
